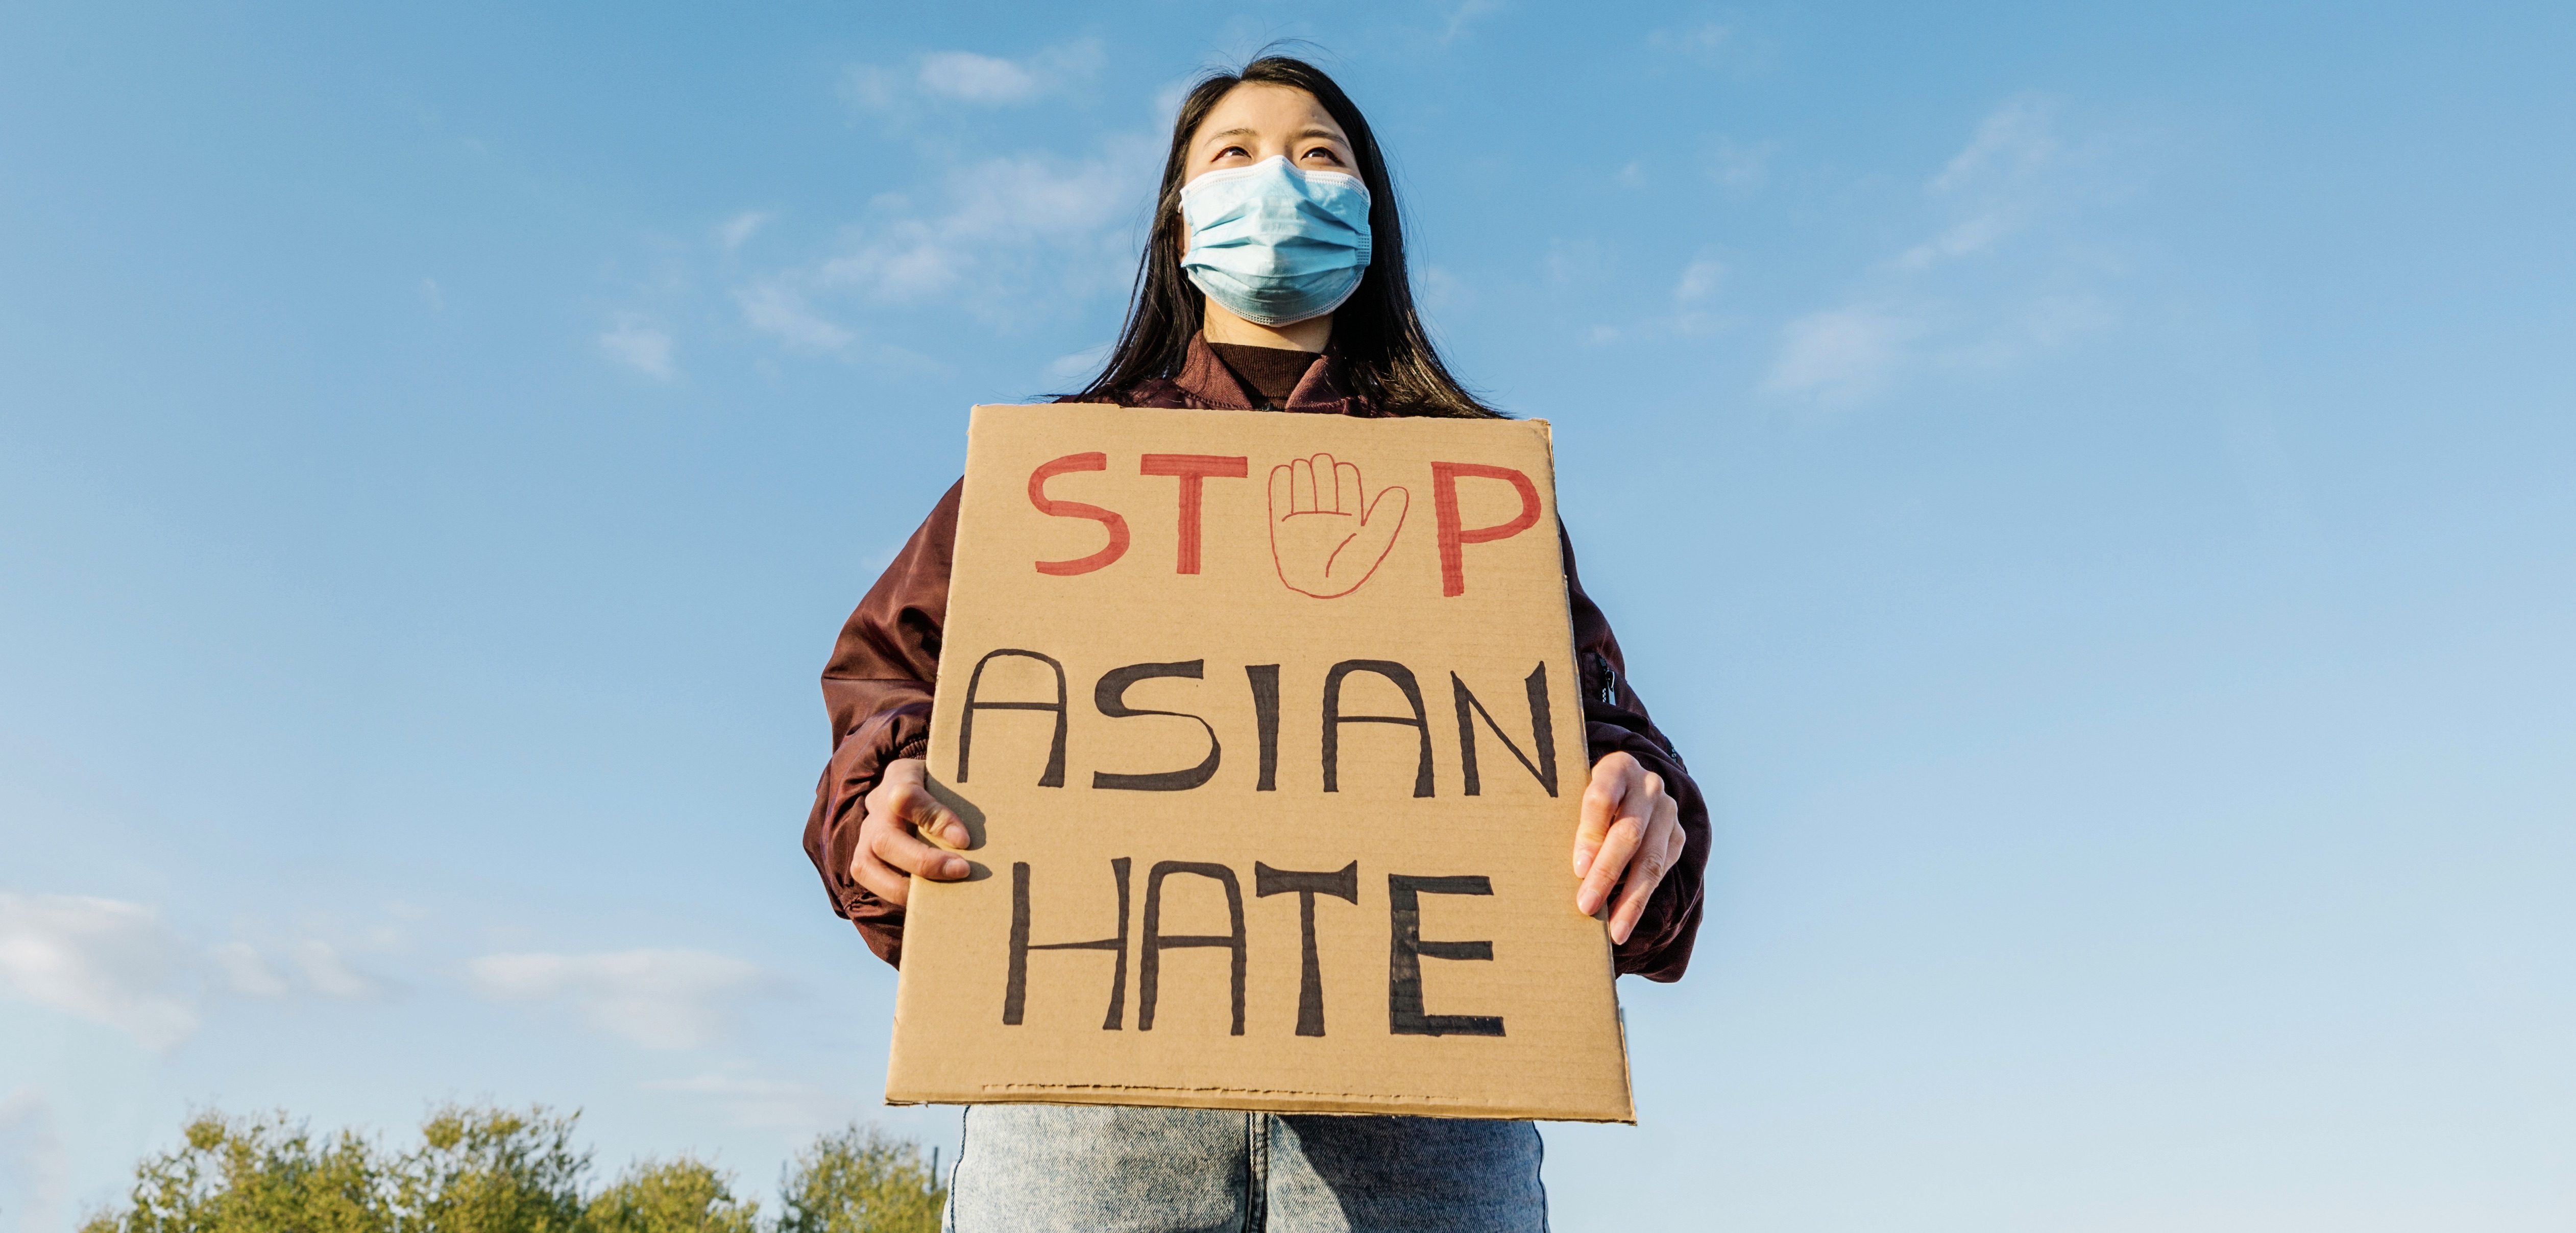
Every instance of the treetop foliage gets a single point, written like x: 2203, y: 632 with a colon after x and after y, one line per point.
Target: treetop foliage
x: 859, y: 1180
x: 491, y: 1170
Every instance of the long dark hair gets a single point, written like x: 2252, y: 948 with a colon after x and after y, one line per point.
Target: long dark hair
x: 1385, y: 352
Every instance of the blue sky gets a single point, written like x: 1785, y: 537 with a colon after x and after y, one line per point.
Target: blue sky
x: 2088, y: 490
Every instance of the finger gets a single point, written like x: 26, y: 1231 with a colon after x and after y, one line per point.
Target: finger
x: 1346, y: 487
x: 1378, y: 525
x: 1646, y: 872
x: 1281, y: 503
x: 1601, y: 797
x: 1619, y: 802
x: 882, y: 880
x: 1301, y: 497
x: 910, y: 853
x: 915, y: 805
x: 1617, y: 848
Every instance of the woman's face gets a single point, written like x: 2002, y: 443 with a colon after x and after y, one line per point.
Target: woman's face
x: 1255, y: 121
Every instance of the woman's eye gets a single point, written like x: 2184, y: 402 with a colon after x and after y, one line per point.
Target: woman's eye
x: 1325, y: 153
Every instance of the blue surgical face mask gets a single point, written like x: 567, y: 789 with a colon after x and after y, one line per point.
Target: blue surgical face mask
x: 1274, y: 244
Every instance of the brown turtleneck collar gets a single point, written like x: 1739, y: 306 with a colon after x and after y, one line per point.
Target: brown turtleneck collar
x: 1270, y: 372
x: 1209, y: 383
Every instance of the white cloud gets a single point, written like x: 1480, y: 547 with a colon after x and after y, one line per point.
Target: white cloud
x: 777, y: 309
x: 1168, y: 100
x: 660, y: 999
x: 1969, y: 236
x: 641, y: 347
x: 2056, y: 319
x: 1985, y: 290
x: 999, y: 211
x: 1841, y: 355
x: 1571, y: 262
x: 2011, y: 145
x: 1740, y: 169
x: 2049, y: 321
x: 1439, y: 291
x: 975, y: 79
x: 35, y: 1171
x: 246, y: 972
x: 1004, y: 238
x: 106, y: 961
x: 329, y: 974
x: 870, y: 88
x: 971, y: 78
x: 1700, y: 40
x: 734, y: 232
x: 1078, y: 365
x: 1994, y: 183
x: 1699, y: 280
x: 1465, y: 13
x: 1692, y: 293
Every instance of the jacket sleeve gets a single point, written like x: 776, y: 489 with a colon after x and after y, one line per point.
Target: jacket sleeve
x: 877, y: 690
x: 1615, y: 721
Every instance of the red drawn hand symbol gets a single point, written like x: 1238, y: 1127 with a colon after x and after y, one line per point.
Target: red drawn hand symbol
x: 1324, y: 537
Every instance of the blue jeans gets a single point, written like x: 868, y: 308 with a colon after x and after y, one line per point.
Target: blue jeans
x: 1024, y: 1168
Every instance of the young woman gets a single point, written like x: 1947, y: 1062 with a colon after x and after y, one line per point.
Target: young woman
x: 1274, y: 279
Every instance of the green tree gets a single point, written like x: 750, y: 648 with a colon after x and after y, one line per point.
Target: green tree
x: 488, y: 1170
x: 681, y: 1196
x: 860, y: 1180
x: 256, y: 1175
x: 483, y: 1170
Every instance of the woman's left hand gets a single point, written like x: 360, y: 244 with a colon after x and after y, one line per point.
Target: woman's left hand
x: 1630, y: 827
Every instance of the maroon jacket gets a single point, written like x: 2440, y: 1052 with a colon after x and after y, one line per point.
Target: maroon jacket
x: 878, y: 685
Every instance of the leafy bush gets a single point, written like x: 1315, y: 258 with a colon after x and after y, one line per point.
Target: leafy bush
x: 682, y: 1196
x: 860, y: 1180
x: 489, y: 1170
x: 492, y: 1171
x: 257, y: 1175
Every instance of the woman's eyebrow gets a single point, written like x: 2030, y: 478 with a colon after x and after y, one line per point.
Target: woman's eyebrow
x: 1300, y: 135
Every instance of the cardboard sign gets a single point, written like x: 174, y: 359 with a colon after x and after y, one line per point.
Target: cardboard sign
x: 1270, y: 731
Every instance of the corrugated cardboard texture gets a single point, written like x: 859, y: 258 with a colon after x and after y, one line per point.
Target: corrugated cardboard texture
x: 1287, y: 842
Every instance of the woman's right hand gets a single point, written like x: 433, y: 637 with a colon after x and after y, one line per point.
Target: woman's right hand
x: 891, y: 848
